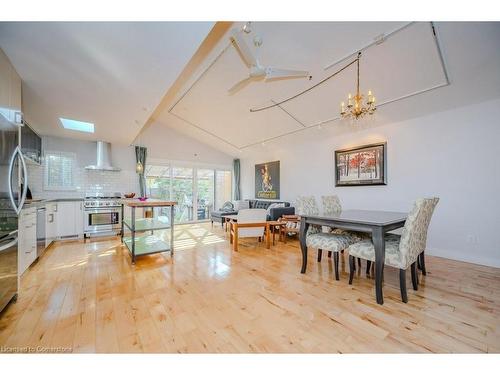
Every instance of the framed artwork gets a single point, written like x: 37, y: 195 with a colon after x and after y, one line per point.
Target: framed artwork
x: 361, y: 166
x: 267, y: 180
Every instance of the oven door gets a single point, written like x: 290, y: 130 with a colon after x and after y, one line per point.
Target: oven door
x: 102, y: 220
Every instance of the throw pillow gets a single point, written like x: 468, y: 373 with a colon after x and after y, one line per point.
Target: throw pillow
x: 241, y: 205
x: 274, y: 205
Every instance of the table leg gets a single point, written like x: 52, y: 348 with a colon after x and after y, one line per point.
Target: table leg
x: 268, y: 236
x: 379, y: 244
x: 171, y: 231
x: 235, y: 236
x: 302, y: 235
x: 121, y: 234
x: 132, y: 219
x: 273, y: 228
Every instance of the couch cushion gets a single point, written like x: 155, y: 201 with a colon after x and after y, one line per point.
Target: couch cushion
x: 255, y: 203
x: 219, y: 214
x: 273, y: 205
x: 241, y: 205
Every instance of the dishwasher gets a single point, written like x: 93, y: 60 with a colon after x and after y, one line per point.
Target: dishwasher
x: 40, y: 231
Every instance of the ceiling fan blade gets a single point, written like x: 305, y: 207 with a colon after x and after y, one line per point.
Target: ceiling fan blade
x: 243, y: 49
x: 274, y: 73
x: 240, y: 85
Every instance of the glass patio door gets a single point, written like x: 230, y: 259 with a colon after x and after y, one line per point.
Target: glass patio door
x: 205, y: 190
x: 223, y: 186
x: 182, y: 193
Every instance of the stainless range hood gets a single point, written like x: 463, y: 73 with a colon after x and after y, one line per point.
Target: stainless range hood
x: 103, y: 159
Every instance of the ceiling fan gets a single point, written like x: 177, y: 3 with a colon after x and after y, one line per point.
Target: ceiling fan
x: 258, y: 72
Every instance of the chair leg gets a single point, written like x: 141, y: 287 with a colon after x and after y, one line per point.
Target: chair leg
x: 320, y: 253
x: 402, y: 285
x: 352, y: 268
x: 336, y: 264
x: 329, y: 254
x: 421, y: 259
x: 414, y: 275
x: 368, y: 267
x: 359, y: 263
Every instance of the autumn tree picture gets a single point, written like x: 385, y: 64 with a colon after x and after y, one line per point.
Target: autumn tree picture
x: 361, y: 166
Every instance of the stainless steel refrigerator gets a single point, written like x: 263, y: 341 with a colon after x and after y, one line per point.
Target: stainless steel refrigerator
x: 13, y: 191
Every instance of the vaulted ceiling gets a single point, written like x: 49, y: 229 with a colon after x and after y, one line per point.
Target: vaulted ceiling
x: 409, y: 61
x: 121, y: 76
x: 112, y: 74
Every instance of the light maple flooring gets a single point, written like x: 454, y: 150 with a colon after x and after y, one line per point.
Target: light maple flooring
x: 88, y: 297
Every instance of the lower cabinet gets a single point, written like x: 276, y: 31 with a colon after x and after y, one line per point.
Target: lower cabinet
x: 69, y: 219
x: 27, y: 239
x: 50, y: 223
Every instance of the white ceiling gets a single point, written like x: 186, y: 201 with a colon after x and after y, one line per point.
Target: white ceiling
x: 406, y: 63
x: 107, y: 73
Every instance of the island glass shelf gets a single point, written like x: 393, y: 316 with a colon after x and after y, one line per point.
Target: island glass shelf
x: 145, y: 245
x: 137, y: 241
x: 147, y: 224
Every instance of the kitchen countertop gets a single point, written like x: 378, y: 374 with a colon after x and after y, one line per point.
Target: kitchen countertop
x: 41, y: 202
x: 134, y: 202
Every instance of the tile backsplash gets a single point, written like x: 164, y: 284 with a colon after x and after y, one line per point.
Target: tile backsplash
x: 124, y: 181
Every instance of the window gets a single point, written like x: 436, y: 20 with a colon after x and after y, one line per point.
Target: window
x: 60, y: 171
x: 223, y: 188
x: 197, y: 191
x: 80, y: 126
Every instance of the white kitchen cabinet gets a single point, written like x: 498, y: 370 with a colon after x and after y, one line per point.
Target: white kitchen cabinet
x: 27, y: 239
x: 10, y: 90
x: 50, y: 223
x: 69, y: 219
x: 79, y: 218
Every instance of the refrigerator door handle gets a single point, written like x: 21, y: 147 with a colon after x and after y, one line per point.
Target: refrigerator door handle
x: 17, y: 208
x: 25, y: 180
x: 9, y: 244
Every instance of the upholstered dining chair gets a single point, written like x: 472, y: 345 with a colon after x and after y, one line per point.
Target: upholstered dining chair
x: 332, y: 206
x: 401, y: 251
x: 316, y: 239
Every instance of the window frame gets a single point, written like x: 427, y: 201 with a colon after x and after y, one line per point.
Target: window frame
x: 194, y: 167
x: 46, y: 185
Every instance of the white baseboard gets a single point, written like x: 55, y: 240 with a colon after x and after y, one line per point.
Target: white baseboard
x: 469, y: 257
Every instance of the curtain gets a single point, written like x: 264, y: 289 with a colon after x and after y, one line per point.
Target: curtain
x: 236, y: 173
x: 140, y: 156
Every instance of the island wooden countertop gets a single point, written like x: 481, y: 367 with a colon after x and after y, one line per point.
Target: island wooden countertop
x: 134, y: 202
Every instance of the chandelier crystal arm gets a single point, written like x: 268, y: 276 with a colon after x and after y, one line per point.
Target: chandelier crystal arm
x: 358, y: 110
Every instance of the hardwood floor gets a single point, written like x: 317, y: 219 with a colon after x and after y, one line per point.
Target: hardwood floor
x: 89, y: 298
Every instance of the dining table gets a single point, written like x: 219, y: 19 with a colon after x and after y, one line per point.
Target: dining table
x: 376, y: 223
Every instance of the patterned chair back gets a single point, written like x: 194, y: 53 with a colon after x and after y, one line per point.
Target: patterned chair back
x: 306, y: 205
x: 414, y: 236
x: 331, y: 205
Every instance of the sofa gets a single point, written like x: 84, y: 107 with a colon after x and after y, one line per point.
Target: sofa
x: 230, y: 208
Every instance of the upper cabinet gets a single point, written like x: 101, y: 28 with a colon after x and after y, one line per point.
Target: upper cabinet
x: 31, y: 144
x: 10, y: 109
x: 10, y: 91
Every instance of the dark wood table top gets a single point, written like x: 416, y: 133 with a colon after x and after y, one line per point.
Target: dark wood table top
x: 363, y: 217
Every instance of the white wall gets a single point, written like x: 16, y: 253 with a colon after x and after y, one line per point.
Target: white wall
x: 123, y: 181
x: 165, y: 143
x: 162, y: 142
x: 453, y: 155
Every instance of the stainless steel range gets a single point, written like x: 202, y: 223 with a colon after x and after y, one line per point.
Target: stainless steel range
x: 102, y: 213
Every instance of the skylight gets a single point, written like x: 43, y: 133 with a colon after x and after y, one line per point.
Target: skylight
x: 80, y: 126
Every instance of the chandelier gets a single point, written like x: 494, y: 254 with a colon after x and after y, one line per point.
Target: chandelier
x: 355, y: 108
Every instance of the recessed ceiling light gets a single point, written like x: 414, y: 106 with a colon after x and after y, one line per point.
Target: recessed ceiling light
x: 81, y: 126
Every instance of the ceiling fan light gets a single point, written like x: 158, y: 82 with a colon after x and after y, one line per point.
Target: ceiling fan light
x: 139, y: 168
